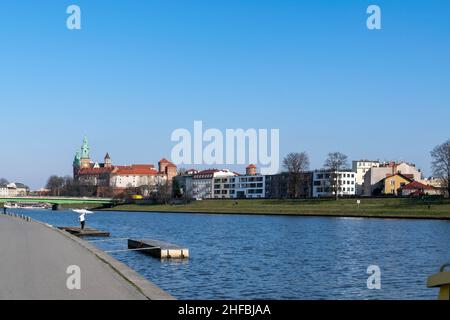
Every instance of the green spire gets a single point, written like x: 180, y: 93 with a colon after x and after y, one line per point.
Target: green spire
x: 85, y: 149
x: 77, y: 160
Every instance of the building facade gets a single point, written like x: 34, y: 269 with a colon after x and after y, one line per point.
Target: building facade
x: 249, y: 186
x: 109, y: 178
x: 361, y: 167
x: 204, y: 184
x: 285, y: 186
x: 393, y: 183
x: 374, y: 178
x: 14, y: 190
x: 184, y: 183
x: 326, y: 183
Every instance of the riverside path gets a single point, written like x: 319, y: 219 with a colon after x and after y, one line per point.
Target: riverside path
x: 34, y: 262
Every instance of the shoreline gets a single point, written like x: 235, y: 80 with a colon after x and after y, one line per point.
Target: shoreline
x: 284, y: 214
x: 344, y: 208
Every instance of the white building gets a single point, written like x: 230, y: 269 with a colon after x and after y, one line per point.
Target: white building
x: 325, y: 182
x: 361, y: 167
x: 14, y: 190
x: 248, y: 186
x: 203, y: 184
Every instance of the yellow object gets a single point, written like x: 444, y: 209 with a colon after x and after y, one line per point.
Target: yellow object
x: 441, y: 280
x: 394, y: 182
x: 137, y: 197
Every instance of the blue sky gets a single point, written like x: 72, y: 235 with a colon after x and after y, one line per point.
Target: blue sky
x: 140, y: 69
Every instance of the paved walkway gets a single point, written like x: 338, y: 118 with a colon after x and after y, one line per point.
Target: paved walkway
x: 34, y: 260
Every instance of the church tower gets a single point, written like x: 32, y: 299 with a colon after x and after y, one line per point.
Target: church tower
x: 85, y: 161
x: 107, y: 162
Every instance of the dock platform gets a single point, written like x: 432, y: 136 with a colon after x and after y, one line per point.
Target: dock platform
x: 159, y: 249
x: 87, y: 232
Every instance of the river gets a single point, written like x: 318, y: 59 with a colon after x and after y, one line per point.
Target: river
x: 277, y: 257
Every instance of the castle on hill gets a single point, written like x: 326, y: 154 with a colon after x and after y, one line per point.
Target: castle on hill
x: 108, y: 178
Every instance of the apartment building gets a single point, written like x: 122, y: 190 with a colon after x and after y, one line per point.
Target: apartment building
x: 204, y: 184
x: 249, y: 186
x: 361, y: 167
x: 326, y: 182
x: 287, y: 186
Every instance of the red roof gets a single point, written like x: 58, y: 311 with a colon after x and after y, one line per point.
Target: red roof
x: 417, y: 186
x: 135, y: 170
x: 409, y: 177
x: 94, y: 171
x: 165, y: 161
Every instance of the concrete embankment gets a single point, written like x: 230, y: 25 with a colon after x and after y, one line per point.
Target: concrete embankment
x: 36, y: 259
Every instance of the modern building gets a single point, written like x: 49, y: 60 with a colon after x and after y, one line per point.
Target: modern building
x: 373, y: 179
x: 285, y: 186
x: 114, y: 179
x: 361, y: 167
x: 326, y: 183
x: 249, y: 186
x: 184, y: 182
x: 204, y: 184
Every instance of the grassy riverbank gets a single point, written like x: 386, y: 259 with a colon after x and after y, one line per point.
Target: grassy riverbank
x: 383, y: 208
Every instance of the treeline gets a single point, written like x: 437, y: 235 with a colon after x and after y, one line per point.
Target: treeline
x: 160, y: 192
x: 67, y: 186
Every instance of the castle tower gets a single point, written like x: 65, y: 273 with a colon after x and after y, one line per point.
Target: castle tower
x: 251, y: 170
x: 85, y: 161
x: 76, y: 164
x: 107, y: 162
x: 168, y: 168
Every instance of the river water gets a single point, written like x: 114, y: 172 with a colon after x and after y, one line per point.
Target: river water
x: 277, y: 257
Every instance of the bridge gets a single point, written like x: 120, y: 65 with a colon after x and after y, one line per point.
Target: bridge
x: 57, y: 201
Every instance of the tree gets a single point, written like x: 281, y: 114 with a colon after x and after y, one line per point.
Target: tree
x: 163, y: 190
x: 295, y: 164
x: 336, y: 162
x: 441, y: 164
x: 55, y: 184
x: 176, y: 189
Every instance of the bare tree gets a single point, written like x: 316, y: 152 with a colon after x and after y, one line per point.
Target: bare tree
x: 441, y: 164
x: 295, y: 164
x: 56, y: 185
x: 163, y: 189
x: 336, y: 162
